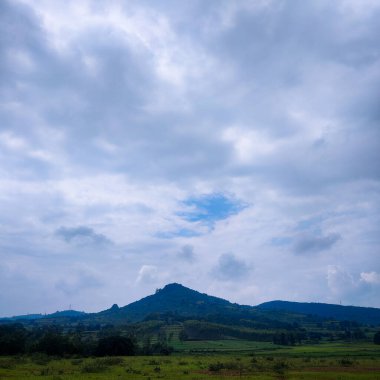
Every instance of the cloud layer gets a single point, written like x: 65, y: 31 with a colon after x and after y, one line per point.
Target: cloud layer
x: 230, y: 146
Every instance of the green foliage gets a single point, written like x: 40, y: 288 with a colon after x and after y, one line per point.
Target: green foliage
x: 94, y: 366
x: 116, y: 346
x: 366, y: 315
x: 12, y: 339
x: 346, y: 362
x: 216, y: 367
x: 53, y: 343
x: 324, y: 361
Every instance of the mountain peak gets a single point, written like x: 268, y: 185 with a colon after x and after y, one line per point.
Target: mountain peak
x: 174, y: 298
x: 174, y: 286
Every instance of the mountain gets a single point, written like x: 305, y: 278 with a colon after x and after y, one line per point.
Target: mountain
x: 181, y: 301
x: 366, y: 315
x: 26, y: 317
x: 178, y: 302
x: 32, y: 317
x: 173, y: 298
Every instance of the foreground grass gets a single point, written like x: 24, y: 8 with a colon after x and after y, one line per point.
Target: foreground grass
x: 327, y: 361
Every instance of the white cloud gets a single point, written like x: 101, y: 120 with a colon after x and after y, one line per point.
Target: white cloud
x: 114, y: 114
x: 11, y: 141
x: 370, y: 277
x: 339, y: 280
x: 148, y: 274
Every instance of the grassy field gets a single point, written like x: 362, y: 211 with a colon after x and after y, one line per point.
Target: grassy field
x: 210, y: 360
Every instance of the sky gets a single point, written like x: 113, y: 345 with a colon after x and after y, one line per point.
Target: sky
x: 230, y: 146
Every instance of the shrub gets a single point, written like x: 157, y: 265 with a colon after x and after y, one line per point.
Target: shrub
x: 114, y: 360
x: 12, y: 339
x: 7, y: 363
x: 94, y: 366
x: 153, y: 362
x: 216, y: 367
x: 232, y: 365
x: 346, y: 362
x: 76, y: 361
x: 40, y: 359
x: 116, y: 346
x: 133, y: 371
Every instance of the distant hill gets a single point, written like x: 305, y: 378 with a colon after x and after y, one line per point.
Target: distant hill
x: 57, y: 314
x: 178, y: 302
x: 26, y: 317
x: 366, y: 315
x: 181, y: 301
x: 173, y: 298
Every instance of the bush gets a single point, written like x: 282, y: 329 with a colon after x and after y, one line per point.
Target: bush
x: 12, y: 339
x: 232, y: 365
x: 280, y: 367
x: 76, y: 361
x: 346, y: 362
x: 94, y: 366
x: 116, y: 346
x: 40, y: 359
x: 7, y: 363
x: 153, y: 362
x: 53, y: 343
x: 216, y: 367
x: 114, y: 360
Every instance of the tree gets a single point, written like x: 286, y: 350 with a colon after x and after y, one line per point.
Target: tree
x: 183, y: 335
x: 116, y: 346
x: 12, y: 339
x: 53, y: 343
x: 376, y: 338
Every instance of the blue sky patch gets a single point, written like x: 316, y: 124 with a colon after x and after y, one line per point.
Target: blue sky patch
x: 210, y: 208
x: 182, y: 232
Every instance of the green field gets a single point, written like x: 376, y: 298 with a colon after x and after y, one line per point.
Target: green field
x: 210, y: 360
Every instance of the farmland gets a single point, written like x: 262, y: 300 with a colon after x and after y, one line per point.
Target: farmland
x: 178, y: 333
x: 209, y: 360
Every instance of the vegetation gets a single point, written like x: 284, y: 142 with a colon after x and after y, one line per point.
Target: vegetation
x: 367, y: 315
x: 324, y: 361
x: 217, y: 340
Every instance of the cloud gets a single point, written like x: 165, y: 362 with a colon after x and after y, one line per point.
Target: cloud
x: 339, y: 280
x: 187, y: 253
x: 231, y: 268
x: 82, y: 235
x: 216, y: 125
x: 352, y: 287
x: 148, y: 274
x: 79, y: 282
x: 370, y: 277
x: 309, y: 243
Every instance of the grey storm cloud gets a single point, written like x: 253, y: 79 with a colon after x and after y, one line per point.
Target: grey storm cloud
x: 309, y: 243
x: 82, y: 235
x: 231, y: 268
x: 124, y: 115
